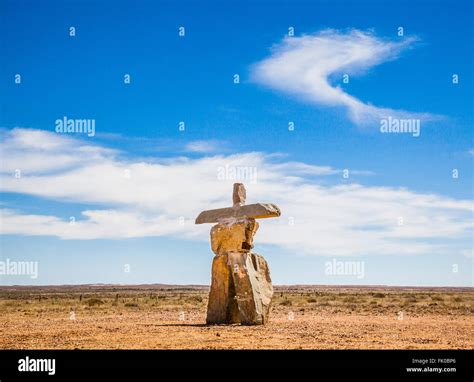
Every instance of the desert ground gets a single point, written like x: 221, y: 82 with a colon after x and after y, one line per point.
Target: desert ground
x: 173, y: 317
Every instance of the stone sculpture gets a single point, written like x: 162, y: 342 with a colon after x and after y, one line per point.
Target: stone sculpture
x: 241, y: 288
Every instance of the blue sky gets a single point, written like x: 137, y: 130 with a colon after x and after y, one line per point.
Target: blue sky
x: 133, y: 220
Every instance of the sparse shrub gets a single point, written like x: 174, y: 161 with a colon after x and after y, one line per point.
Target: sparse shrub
x: 94, y: 302
x: 286, y: 302
x: 350, y: 299
x: 196, y: 298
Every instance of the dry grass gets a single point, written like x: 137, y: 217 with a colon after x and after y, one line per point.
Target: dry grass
x: 305, y: 317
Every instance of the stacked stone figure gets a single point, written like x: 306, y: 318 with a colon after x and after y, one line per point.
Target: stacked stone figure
x: 241, y: 288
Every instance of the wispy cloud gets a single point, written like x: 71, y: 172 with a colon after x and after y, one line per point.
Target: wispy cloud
x: 303, y: 66
x: 204, y: 146
x: 38, y: 151
x: 138, y: 198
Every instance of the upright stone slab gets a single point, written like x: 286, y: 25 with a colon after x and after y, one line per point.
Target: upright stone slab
x: 253, y: 287
x: 222, y: 307
x: 241, y: 287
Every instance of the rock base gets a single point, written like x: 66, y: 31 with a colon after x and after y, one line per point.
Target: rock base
x: 241, y: 289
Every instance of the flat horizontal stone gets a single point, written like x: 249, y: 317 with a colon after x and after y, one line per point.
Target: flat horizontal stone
x: 250, y: 211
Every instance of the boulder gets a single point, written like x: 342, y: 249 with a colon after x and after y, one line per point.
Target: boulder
x: 252, y: 285
x: 222, y: 306
x: 234, y: 237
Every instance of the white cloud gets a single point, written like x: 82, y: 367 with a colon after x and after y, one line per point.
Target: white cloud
x: 138, y: 198
x: 209, y: 146
x: 38, y: 151
x: 303, y: 66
